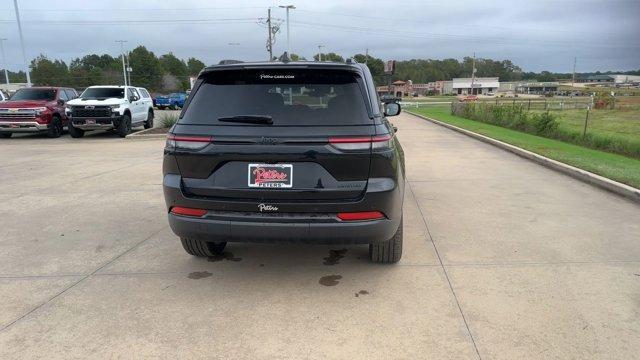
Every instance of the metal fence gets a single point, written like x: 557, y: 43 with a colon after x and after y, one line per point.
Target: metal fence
x: 529, y: 104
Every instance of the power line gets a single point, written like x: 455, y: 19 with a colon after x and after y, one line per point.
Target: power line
x: 445, y: 36
x: 132, y: 22
x: 139, y: 9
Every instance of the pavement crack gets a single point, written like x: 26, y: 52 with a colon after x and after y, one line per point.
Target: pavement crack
x: 446, y: 275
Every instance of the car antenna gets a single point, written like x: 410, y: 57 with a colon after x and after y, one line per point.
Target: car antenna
x: 284, y: 57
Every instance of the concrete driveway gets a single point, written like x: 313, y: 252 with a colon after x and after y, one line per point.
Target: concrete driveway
x: 503, y: 259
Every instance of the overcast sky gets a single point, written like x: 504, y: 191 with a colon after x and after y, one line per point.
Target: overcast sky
x: 536, y: 35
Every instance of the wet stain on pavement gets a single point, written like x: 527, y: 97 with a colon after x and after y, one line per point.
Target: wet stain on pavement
x: 199, y: 275
x: 224, y: 256
x: 261, y: 265
x: 362, y: 292
x: 330, y: 280
x: 334, y: 257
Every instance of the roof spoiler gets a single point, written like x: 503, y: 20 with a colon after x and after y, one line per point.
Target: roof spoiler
x: 229, y: 62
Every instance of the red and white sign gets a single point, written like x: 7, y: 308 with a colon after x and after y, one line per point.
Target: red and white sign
x: 270, y: 175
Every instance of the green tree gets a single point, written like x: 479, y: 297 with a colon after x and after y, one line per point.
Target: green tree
x: 176, y: 67
x: 329, y: 57
x: 375, y: 65
x: 47, y: 72
x: 296, y: 57
x: 545, y: 76
x: 194, y: 66
x: 147, y: 70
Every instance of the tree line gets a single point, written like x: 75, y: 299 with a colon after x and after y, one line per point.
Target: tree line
x: 167, y: 73
x: 163, y: 73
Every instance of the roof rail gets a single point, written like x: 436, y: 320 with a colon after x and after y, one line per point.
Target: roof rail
x: 351, y: 61
x: 229, y: 62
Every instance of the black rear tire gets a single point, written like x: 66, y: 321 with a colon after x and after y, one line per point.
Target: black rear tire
x: 202, y: 248
x: 387, y: 252
x: 149, y: 123
x: 5, y: 135
x: 55, y: 128
x: 74, y: 131
x: 124, y: 127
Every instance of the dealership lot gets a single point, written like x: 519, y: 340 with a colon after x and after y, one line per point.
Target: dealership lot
x: 503, y: 259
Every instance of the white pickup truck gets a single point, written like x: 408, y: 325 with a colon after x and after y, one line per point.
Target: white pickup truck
x: 118, y: 108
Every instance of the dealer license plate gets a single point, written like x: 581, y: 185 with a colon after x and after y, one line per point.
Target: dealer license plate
x: 270, y: 175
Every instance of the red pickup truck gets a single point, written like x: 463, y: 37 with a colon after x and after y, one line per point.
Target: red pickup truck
x: 35, y: 110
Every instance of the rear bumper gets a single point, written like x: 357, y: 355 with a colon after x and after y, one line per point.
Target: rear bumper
x: 316, y: 223
x: 22, y: 126
x: 357, y: 232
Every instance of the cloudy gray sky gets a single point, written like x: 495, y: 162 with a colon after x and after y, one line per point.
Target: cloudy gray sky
x: 536, y: 35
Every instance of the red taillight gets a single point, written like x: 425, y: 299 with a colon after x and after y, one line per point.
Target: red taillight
x: 190, y: 138
x: 361, y: 142
x: 346, y: 140
x: 187, y: 142
x: 179, y: 210
x: 359, y: 216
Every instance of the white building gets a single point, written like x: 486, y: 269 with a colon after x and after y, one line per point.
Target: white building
x: 477, y: 86
x: 611, y: 79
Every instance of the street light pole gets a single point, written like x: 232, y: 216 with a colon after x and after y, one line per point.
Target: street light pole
x: 124, y: 68
x: 24, y: 54
x: 4, y: 60
x: 288, y: 7
x: 320, y: 52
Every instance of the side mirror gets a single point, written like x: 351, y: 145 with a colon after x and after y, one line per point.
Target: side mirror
x: 60, y: 102
x: 132, y: 98
x: 391, y: 109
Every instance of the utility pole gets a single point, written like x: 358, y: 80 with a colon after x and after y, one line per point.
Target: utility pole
x: 129, y: 70
x: 124, y: 67
x: 573, y: 77
x: 24, y: 54
x: 4, y: 60
x: 320, y: 52
x: 366, y: 55
x: 288, y: 7
x: 473, y: 72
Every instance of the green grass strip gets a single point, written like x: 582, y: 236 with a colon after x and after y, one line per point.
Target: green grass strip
x: 616, y: 167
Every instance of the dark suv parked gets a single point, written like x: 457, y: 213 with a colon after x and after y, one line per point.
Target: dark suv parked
x: 285, y: 151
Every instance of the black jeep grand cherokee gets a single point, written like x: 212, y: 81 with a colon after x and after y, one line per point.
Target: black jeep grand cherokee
x: 285, y: 151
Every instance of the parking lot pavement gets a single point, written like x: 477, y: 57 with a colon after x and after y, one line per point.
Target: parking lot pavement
x: 503, y: 259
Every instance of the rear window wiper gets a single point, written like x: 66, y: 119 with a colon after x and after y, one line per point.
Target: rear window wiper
x: 250, y: 119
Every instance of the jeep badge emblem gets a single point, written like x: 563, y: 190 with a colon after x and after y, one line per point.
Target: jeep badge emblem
x: 89, y: 107
x: 264, y: 207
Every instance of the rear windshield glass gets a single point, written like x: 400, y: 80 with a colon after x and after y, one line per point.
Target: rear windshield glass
x: 34, y: 94
x: 103, y: 93
x: 289, y: 97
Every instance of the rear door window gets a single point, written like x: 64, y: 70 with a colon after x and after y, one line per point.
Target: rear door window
x: 291, y: 97
x: 144, y: 93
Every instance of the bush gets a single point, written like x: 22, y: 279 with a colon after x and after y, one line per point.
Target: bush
x: 514, y: 116
x: 168, y: 120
